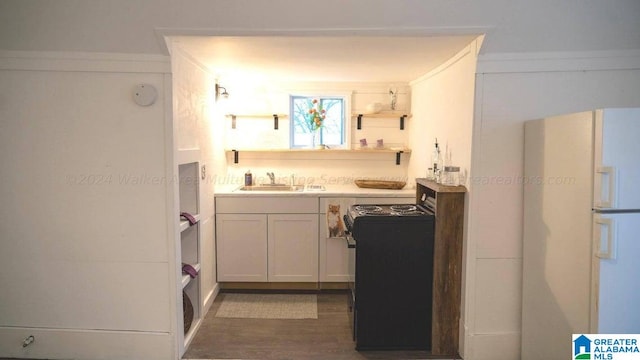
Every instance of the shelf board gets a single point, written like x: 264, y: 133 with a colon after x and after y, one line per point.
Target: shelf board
x: 397, y: 115
x: 397, y: 151
x: 186, y: 279
x: 344, y: 151
x: 257, y: 116
x: 184, y: 224
x: 440, y: 187
x: 382, y: 114
x: 275, y: 118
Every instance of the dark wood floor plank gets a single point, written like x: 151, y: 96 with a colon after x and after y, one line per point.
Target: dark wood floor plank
x: 327, y: 337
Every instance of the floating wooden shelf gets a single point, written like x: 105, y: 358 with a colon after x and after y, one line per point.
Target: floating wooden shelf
x: 344, y: 151
x: 275, y: 117
x: 397, y: 150
x: 382, y: 115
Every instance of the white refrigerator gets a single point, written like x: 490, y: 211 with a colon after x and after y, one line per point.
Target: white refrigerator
x: 581, y: 239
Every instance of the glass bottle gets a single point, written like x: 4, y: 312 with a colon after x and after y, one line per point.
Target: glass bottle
x: 436, y: 162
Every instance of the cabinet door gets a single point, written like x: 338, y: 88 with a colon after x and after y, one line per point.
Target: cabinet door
x: 241, y: 247
x: 333, y: 256
x: 293, y: 247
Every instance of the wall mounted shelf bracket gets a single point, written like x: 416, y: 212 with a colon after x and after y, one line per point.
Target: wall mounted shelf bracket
x: 398, y: 157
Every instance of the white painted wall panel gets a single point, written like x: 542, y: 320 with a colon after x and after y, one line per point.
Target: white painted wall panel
x: 84, y: 217
x: 509, y: 99
x: 499, y: 280
x: 78, y: 344
x: 443, y: 109
x: 194, y: 129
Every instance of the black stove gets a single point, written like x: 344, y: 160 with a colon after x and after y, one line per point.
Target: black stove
x: 391, y: 274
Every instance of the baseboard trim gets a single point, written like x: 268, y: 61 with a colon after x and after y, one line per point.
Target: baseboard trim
x: 494, y: 346
x: 208, y: 301
x: 314, y: 286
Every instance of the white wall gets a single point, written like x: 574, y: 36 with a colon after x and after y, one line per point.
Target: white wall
x: 193, y: 90
x: 504, y: 101
x: 443, y: 109
x: 83, y: 224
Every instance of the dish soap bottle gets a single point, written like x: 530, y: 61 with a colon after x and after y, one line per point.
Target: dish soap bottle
x: 248, y: 178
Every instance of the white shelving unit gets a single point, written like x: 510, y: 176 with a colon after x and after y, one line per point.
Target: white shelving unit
x: 189, y: 184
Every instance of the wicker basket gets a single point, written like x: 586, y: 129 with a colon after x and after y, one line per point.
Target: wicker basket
x: 187, y: 311
x: 380, y: 184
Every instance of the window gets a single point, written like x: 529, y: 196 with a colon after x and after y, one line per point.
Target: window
x: 332, y: 131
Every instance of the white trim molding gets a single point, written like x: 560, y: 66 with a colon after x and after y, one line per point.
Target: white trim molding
x: 84, y: 61
x: 559, y: 61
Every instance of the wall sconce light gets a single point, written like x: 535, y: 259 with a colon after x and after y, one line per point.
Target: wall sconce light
x: 221, y: 91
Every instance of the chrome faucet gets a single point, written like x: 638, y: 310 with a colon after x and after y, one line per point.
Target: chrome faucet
x: 272, y: 178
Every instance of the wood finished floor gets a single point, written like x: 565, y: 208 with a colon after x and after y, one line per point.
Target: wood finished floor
x: 328, y: 337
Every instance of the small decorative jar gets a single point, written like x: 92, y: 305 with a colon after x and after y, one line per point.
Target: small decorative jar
x: 451, y: 176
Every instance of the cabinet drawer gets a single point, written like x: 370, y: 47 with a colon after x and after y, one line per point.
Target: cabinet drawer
x: 267, y: 205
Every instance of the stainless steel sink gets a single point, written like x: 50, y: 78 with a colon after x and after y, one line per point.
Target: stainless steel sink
x: 274, y: 187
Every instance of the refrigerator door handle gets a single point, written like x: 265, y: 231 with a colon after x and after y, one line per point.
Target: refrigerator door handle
x: 604, y: 249
x: 607, y: 187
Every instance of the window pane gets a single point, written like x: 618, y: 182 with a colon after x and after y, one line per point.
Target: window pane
x: 332, y: 129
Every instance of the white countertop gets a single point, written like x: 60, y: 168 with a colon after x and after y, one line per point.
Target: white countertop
x: 350, y: 190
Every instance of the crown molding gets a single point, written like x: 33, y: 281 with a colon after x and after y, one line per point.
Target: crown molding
x: 558, y: 61
x: 84, y: 61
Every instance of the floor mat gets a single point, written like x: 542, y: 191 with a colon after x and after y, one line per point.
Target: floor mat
x: 269, y: 306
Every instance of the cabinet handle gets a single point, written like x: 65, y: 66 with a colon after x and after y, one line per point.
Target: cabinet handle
x: 609, y: 250
x: 26, y: 342
x: 607, y: 190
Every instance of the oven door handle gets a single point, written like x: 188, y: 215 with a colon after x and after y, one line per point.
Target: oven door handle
x: 351, y: 242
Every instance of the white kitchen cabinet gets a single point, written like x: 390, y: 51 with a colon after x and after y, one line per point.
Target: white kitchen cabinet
x: 241, y: 247
x: 267, y: 239
x: 293, y: 247
x: 332, y: 249
x: 284, y: 238
x: 333, y: 256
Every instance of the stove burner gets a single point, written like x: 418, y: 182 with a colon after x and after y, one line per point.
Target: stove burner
x: 369, y: 209
x: 375, y: 213
x: 403, y: 208
x: 385, y: 210
x: 407, y: 213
